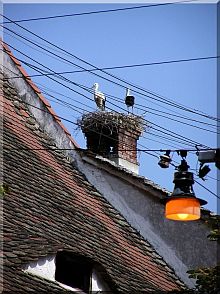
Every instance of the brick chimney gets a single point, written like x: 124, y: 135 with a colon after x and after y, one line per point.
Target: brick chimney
x: 113, y: 136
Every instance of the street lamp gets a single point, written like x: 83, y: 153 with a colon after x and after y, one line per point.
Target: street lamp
x: 183, y: 205
x: 165, y: 160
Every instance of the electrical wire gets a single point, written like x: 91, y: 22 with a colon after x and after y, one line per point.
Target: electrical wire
x: 160, y: 142
x: 81, y: 71
x: 82, y: 113
x: 86, y: 110
x: 214, y: 179
x: 142, y: 145
x: 77, y: 124
x: 98, y: 12
x: 144, y: 150
x: 70, y: 98
x: 140, y: 107
x: 84, y: 89
x: 122, y: 66
x: 175, y: 135
x: 59, y: 73
x: 207, y: 189
x: 185, y: 123
x: 39, y: 43
x: 88, y: 71
x: 109, y: 74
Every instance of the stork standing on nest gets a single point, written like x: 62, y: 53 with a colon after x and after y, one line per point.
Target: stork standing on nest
x: 129, y: 100
x: 99, y: 97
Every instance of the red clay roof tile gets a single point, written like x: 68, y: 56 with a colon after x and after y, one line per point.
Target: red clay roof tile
x: 42, y: 98
x: 24, y: 73
x: 54, y: 205
x: 38, y: 92
x: 34, y: 87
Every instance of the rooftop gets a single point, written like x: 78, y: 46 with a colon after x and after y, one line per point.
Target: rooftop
x: 51, y: 206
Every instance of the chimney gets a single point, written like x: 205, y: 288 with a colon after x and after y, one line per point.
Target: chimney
x: 113, y: 136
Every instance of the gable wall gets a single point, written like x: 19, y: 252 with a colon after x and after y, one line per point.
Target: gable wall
x: 183, y: 245
x: 143, y: 213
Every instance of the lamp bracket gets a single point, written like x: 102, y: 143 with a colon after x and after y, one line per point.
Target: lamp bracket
x: 183, y: 166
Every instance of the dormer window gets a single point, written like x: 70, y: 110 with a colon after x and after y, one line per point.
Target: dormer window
x: 71, y: 271
x: 74, y: 271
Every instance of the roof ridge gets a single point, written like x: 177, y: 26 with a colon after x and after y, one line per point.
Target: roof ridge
x: 37, y: 91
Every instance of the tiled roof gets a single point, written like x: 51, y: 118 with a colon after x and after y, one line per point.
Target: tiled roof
x: 51, y: 206
x: 25, y: 76
x: 140, y: 181
x: 110, y: 165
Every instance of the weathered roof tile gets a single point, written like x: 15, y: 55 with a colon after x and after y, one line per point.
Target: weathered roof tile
x: 51, y: 206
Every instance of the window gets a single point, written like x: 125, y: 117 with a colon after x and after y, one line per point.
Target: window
x: 73, y: 270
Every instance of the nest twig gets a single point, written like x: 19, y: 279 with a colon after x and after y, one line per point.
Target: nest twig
x: 112, y: 120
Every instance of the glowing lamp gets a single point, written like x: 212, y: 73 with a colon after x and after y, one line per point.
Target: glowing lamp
x: 183, y: 209
x: 183, y: 205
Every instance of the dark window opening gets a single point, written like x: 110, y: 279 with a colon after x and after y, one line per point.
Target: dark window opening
x: 74, y: 271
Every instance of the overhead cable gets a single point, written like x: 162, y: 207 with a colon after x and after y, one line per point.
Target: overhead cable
x: 59, y: 73
x: 174, y: 104
x: 207, y: 189
x: 167, y: 131
x: 144, y: 150
x: 98, y: 11
x: 120, y: 67
x: 173, y: 136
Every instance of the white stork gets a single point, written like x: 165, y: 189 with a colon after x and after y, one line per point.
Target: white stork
x: 129, y: 100
x: 99, y: 97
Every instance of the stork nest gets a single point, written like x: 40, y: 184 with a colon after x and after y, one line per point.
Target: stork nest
x: 111, y: 120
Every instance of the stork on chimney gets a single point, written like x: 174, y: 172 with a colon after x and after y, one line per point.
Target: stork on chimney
x: 99, y: 97
x: 129, y: 100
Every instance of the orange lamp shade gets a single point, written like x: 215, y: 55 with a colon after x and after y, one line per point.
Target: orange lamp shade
x: 183, y: 209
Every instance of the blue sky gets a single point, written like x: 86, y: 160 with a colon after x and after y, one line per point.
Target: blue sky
x: 153, y: 34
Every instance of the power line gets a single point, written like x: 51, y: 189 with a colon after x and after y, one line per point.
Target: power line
x: 83, y: 110
x: 71, y: 105
x: 161, y: 99
x: 89, y: 70
x: 119, y: 100
x: 147, y: 110
x: 71, y: 62
x: 76, y: 110
x: 138, y: 149
x: 187, y: 118
x: 207, y: 189
x: 90, y: 99
x: 38, y: 50
x: 188, y: 141
x: 96, y: 12
x: 80, y: 113
x: 107, y: 95
x: 94, y: 73
x: 144, y: 150
x: 120, y: 67
x: 56, y: 73
x: 213, y: 178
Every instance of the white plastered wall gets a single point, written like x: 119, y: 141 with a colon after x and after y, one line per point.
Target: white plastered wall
x: 45, y: 268
x: 182, y: 245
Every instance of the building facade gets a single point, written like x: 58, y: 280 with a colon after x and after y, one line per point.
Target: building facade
x: 82, y: 212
